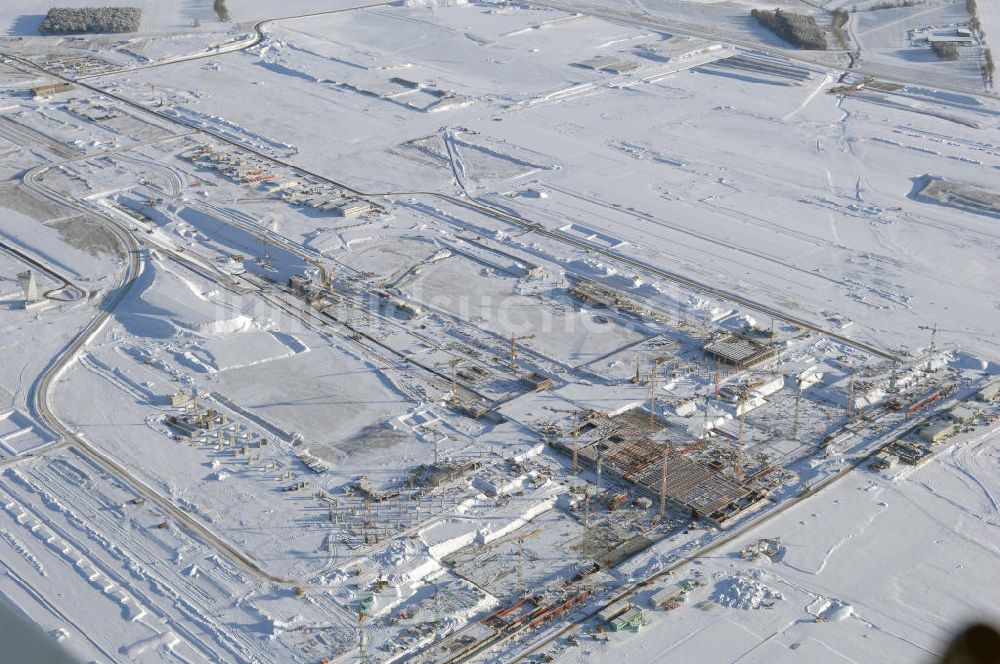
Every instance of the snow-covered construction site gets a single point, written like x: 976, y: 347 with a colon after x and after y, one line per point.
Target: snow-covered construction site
x: 445, y: 331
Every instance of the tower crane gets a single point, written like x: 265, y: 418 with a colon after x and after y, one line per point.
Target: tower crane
x: 738, y: 456
x: 513, y: 347
x: 850, y: 394
x: 520, y: 558
x: 704, y: 424
x: 798, y: 400
x: 933, y: 329
x: 576, y: 433
x: 454, y: 362
x: 652, y: 391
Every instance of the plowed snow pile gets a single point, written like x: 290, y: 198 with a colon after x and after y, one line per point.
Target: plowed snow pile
x: 743, y: 591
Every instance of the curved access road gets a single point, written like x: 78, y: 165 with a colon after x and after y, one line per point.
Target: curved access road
x: 237, y: 45
x: 66, y: 284
x: 41, y: 389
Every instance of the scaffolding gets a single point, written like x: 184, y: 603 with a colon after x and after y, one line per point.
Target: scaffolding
x: 739, y: 350
x: 628, y: 453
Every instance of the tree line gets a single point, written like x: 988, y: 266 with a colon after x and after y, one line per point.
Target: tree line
x: 81, y: 20
x: 798, y: 29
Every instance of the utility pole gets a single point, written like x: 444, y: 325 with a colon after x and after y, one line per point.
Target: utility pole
x: 636, y: 378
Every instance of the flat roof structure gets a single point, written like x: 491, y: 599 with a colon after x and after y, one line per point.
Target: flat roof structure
x: 960, y: 40
x: 964, y: 413
x: 739, y: 350
x: 990, y: 392
x: 938, y: 431
x: 51, y: 88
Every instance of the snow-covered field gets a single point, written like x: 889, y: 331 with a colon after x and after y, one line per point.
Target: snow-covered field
x: 385, y: 327
x: 22, y: 17
x: 844, y: 219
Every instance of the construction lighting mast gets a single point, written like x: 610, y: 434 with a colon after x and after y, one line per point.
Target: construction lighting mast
x: 513, y: 348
